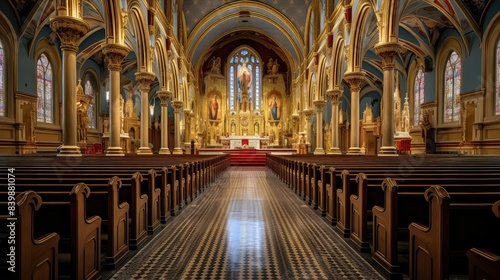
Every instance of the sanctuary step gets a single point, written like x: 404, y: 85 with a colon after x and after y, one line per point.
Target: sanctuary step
x: 249, y: 159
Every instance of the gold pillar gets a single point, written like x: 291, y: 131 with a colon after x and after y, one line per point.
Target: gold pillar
x: 164, y: 96
x: 308, y: 113
x: 70, y: 30
x: 388, y: 52
x: 334, y: 95
x: 319, y: 126
x: 145, y: 79
x: 115, y: 54
x: 356, y: 81
x: 177, y: 104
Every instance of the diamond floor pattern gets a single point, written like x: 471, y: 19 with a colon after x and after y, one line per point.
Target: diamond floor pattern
x: 247, y: 225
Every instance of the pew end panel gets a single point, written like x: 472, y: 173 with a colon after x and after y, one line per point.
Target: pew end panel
x: 427, y: 261
x: 37, y: 257
x: 385, y: 229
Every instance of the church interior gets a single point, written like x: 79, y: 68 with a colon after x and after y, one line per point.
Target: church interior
x: 340, y: 100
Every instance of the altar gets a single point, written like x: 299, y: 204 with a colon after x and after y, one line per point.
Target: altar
x: 245, y: 141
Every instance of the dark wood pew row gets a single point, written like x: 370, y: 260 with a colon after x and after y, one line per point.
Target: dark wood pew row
x: 79, y: 244
x: 136, y: 191
x: 106, y: 203
x: 439, y: 249
x: 483, y: 263
x: 304, y: 177
x: 348, y: 196
x: 36, y: 257
x: 46, y: 174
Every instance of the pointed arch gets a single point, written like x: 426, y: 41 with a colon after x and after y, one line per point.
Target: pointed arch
x: 363, y: 11
x: 141, y: 36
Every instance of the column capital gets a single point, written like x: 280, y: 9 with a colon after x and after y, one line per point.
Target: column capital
x: 69, y: 30
x: 334, y: 95
x: 356, y: 80
x: 115, y: 54
x: 164, y: 96
x: 308, y: 113
x: 319, y: 104
x: 177, y: 104
x: 145, y: 79
x: 388, y: 52
x: 295, y: 116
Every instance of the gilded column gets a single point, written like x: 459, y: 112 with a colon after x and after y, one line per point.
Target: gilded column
x: 319, y: 126
x: 388, y: 52
x: 177, y: 104
x: 356, y: 81
x: 334, y: 95
x: 308, y: 113
x: 70, y: 30
x: 115, y: 54
x: 164, y: 96
x: 145, y: 79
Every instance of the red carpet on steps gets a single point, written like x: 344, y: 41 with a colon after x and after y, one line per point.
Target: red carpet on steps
x: 248, y: 159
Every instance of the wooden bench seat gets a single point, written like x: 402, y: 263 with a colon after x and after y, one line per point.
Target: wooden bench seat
x: 439, y: 250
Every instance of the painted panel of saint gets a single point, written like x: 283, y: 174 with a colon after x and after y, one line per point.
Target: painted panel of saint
x: 213, y: 109
x: 274, y: 107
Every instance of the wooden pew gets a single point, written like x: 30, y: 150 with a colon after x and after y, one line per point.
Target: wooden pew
x: 79, y: 254
x: 439, y: 250
x: 484, y: 264
x: 34, y: 257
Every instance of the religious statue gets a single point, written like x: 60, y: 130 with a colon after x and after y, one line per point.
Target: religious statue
x: 272, y: 66
x: 157, y: 123
x: 105, y: 124
x: 269, y: 65
x: 215, y: 65
x: 214, y: 108
x: 273, y: 106
x: 84, y: 124
x: 427, y: 133
x: 275, y: 68
x: 129, y: 105
x: 302, y: 145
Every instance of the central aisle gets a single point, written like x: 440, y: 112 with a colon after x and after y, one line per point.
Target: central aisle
x: 247, y: 225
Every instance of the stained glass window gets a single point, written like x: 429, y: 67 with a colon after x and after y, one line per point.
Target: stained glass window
x: 497, y: 81
x: 44, y: 89
x: 418, y: 96
x: 2, y: 85
x: 452, y: 80
x: 244, y: 69
x: 89, y: 90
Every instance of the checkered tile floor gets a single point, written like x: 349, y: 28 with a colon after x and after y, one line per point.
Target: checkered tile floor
x: 247, y: 225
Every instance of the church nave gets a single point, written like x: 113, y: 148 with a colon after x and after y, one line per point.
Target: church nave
x: 247, y: 225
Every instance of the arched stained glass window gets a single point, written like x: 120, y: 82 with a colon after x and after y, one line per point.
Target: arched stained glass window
x: 89, y: 90
x: 452, y: 81
x: 418, y: 96
x: 244, y: 70
x: 497, y: 80
x: 44, y: 90
x: 2, y: 83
